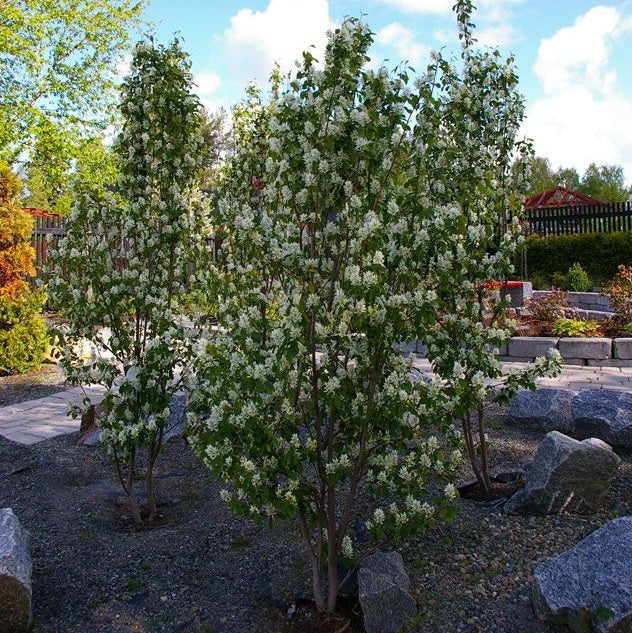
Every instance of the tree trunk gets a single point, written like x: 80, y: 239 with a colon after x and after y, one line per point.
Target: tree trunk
x: 483, y: 443
x: 134, y: 508
x: 332, y: 558
x: 314, y: 559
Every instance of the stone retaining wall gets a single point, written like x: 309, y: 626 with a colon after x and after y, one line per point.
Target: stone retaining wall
x: 594, y: 352
x: 583, y: 300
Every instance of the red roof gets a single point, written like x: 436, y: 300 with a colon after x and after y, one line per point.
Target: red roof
x: 40, y: 212
x: 558, y: 197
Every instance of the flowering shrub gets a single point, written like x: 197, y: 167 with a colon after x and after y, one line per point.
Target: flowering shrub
x: 544, y: 311
x: 619, y: 291
x: 124, y: 264
x: 23, y: 336
x: 359, y: 211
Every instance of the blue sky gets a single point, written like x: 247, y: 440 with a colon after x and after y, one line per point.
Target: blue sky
x: 574, y: 57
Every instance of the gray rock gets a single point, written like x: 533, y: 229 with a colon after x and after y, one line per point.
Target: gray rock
x: 589, y: 587
x: 384, y: 593
x: 603, y: 413
x: 566, y: 475
x: 542, y: 410
x: 15, y: 574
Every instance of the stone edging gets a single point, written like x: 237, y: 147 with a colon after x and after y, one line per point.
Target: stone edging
x: 594, y: 352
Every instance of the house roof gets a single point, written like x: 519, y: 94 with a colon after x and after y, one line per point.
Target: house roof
x: 558, y: 197
x: 40, y: 212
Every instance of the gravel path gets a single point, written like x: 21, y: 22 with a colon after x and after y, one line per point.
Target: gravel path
x: 46, y: 381
x: 206, y: 571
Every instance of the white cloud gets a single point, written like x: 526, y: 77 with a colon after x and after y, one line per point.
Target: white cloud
x: 497, y: 10
x: 583, y: 115
x: 496, y: 35
x: 579, y: 52
x: 402, y: 39
x: 280, y: 33
x: 421, y: 6
x: 206, y: 83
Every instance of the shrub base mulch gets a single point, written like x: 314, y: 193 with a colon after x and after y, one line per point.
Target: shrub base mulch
x: 203, y: 570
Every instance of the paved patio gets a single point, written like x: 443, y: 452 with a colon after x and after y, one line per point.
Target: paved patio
x: 38, y: 420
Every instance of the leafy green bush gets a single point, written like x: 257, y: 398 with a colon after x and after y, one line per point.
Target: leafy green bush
x: 575, y: 280
x: 540, y: 281
x: 23, y: 337
x: 598, y: 254
x: 575, y: 327
x: 558, y: 280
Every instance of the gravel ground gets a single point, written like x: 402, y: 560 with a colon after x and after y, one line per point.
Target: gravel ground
x: 46, y: 381
x: 206, y: 571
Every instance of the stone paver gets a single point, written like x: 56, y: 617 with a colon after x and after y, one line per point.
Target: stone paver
x: 37, y: 420
x: 574, y: 377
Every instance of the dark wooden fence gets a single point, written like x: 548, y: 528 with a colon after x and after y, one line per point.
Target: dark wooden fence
x: 47, y: 229
x: 609, y: 217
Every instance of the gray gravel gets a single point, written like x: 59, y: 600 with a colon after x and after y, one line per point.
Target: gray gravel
x: 474, y: 574
x: 206, y: 571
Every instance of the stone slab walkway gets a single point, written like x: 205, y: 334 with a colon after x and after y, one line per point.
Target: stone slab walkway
x: 37, y: 420
x: 573, y: 377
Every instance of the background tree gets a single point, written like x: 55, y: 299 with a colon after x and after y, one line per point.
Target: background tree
x: 123, y: 266
x: 216, y: 145
x: 542, y: 175
x: 567, y: 177
x: 57, y: 80
x: 94, y: 169
x: 604, y: 182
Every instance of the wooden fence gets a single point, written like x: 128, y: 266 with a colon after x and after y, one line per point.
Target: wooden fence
x: 604, y: 218
x: 46, y: 231
x: 608, y: 217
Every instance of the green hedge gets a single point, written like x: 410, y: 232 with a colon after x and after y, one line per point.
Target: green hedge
x: 599, y: 254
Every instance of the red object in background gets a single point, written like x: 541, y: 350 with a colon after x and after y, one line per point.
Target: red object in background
x: 40, y: 213
x: 558, y: 197
x: 500, y: 284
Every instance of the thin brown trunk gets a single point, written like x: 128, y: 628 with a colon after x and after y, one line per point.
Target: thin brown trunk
x: 332, y: 559
x: 314, y: 559
x: 483, y: 444
x: 150, y: 481
x: 466, y: 421
x: 131, y: 494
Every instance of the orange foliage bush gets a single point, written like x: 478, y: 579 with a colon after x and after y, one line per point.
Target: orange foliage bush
x: 16, y: 254
x: 23, y: 337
